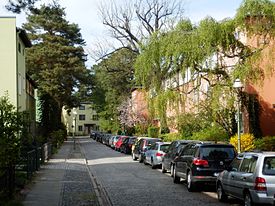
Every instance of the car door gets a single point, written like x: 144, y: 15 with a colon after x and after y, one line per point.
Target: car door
x: 148, y: 153
x: 183, y: 159
x: 229, y: 176
x: 168, y: 156
x: 244, y: 178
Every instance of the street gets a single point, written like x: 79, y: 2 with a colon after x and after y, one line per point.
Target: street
x: 127, y: 182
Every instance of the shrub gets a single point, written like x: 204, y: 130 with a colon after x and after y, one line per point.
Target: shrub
x: 153, y: 132
x: 213, y: 133
x: 58, y: 137
x: 247, y: 142
x: 171, y: 137
x: 266, y: 143
x: 165, y: 130
x: 141, y: 129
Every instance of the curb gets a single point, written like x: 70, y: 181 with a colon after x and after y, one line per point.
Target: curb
x: 102, y: 196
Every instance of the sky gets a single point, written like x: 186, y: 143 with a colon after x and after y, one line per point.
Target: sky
x: 85, y: 14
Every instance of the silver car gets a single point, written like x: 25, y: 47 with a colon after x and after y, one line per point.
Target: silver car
x: 155, y: 153
x: 250, y: 177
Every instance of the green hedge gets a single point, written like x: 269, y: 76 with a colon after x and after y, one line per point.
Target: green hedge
x: 213, y: 133
x: 153, y: 132
x: 266, y: 143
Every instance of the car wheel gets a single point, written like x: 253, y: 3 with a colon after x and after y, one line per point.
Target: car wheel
x: 248, y: 200
x: 190, y: 183
x: 163, y: 170
x: 222, y: 197
x: 134, y: 157
x: 172, y: 170
x: 152, y: 164
x: 176, y: 179
x: 144, y: 161
x: 140, y: 160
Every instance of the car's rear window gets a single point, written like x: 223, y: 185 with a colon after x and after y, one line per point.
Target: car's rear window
x: 149, y: 142
x: 132, y: 140
x: 269, y: 166
x: 213, y: 153
x: 164, y: 147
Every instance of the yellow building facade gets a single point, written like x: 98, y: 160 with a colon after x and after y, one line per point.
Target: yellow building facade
x: 14, y: 79
x: 81, y: 120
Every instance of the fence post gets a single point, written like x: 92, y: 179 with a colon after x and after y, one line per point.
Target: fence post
x: 37, y: 157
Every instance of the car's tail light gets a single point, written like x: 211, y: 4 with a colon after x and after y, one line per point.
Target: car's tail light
x: 260, y: 184
x: 200, y: 162
x: 158, y: 154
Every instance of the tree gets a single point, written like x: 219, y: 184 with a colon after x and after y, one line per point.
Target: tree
x: 113, y: 78
x: 132, y: 22
x: 200, y: 51
x: 209, y: 52
x: 17, y: 6
x: 11, y: 124
x: 56, y: 60
x: 128, y: 117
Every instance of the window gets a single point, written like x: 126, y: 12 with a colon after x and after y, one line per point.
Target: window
x: 19, y: 47
x: 95, y: 117
x: 269, y: 166
x: 19, y: 84
x: 249, y: 164
x: 81, y: 107
x: 82, y: 117
x: 236, y: 164
x: 80, y: 128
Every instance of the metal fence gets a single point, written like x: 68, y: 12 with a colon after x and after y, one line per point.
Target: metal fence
x: 28, y: 163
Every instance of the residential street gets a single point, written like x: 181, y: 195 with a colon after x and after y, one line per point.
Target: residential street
x: 128, y: 182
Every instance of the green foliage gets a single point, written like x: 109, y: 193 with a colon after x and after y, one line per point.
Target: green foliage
x: 153, y: 132
x: 171, y: 137
x: 11, y: 127
x: 141, y: 129
x: 56, y: 59
x: 109, y: 125
x: 213, y: 133
x: 253, y: 107
x: 256, y: 16
x: 190, y: 123
x: 58, y: 137
x: 113, y: 78
x: 50, y: 119
x: 165, y: 130
x: 11, y: 124
x: 266, y: 143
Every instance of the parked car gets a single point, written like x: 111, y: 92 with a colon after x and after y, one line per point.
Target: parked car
x: 200, y: 163
x: 119, y: 142
x: 127, y: 143
x: 155, y: 153
x: 113, y: 141
x: 170, y: 154
x: 105, y: 138
x: 250, y: 177
x: 141, y: 146
x: 93, y: 134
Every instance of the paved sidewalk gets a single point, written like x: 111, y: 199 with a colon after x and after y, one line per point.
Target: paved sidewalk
x: 63, y: 181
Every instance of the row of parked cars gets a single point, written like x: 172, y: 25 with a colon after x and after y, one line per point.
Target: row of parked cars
x: 249, y: 176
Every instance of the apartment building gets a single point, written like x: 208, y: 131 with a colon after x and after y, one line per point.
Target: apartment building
x: 81, y: 120
x: 14, y: 79
x: 263, y: 90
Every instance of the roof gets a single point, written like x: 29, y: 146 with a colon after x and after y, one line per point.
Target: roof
x: 23, y: 35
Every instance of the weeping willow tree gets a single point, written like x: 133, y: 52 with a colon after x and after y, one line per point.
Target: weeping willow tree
x: 207, y: 54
